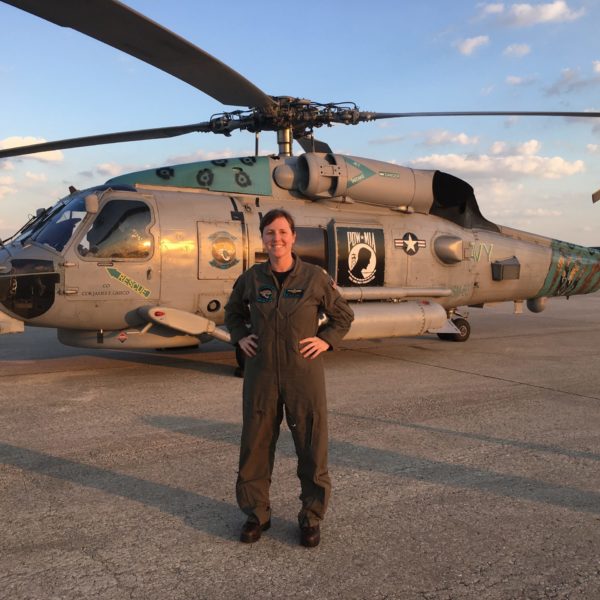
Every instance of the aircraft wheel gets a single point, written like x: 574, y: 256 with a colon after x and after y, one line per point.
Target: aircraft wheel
x: 464, y: 331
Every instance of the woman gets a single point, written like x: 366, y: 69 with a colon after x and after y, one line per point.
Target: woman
x: 280, y: 301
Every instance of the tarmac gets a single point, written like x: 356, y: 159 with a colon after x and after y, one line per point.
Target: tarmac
x: 460, y: 470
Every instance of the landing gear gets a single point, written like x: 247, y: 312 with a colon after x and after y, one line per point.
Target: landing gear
x: 463, y: 333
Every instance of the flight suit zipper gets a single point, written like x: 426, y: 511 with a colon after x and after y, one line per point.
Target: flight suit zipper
x: 279, y: 288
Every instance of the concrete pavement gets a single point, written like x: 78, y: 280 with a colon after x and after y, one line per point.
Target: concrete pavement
x: 459, y: 470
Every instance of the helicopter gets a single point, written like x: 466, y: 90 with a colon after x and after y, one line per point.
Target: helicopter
x: 148, y: 259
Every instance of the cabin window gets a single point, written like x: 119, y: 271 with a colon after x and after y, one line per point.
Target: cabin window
x: 120, y: 231
x: 311, y: 245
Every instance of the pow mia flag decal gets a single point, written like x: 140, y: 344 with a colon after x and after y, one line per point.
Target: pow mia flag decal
x: 361, y: 256
x: 410, y: 243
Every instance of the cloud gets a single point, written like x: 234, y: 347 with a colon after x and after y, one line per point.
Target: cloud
x: 17, y: 141
x: 523, y: 15
x: 388, y: 139
x: 541, y: 212
x: 499, y: 148
x: 201, y: 155
x: 572, y: 80
x: 440, y: 137
x: 492, y: 9
x: 593, y: 148
x: 511, y: 121
x: 515, y: 80
x: 529, y: 148
x: 504, y: 161
x: 6, y: 186
x: 109, y: 169
x: 6, y: 165
x: 468, y: 46
x: 527, y: 15
x: 517, y: 50
x: 36, y: 177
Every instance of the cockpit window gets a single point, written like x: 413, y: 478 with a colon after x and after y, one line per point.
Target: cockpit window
x: 60, y: 224
x: 120, y: 231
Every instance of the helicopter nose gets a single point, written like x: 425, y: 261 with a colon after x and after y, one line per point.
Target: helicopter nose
x: 27, y: 285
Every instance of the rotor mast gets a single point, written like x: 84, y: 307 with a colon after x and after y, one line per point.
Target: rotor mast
x: 285, y: 138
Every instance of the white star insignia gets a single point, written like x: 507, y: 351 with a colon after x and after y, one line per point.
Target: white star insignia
x: 410, y: 243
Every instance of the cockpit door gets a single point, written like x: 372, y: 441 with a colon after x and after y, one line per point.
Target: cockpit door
x: 116, y: 256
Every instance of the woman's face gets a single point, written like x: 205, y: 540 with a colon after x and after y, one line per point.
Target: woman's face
x: 278, y: 239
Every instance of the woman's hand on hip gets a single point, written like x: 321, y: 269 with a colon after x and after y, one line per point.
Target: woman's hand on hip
x: 249, y: 344
x: 313, y: 346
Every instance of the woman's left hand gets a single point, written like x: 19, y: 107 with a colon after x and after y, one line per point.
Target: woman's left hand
x: 313, y: 346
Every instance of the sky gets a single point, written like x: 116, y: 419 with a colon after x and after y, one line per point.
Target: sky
x: 535, y: 174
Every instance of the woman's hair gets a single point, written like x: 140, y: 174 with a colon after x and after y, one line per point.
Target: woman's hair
x: 275, y: 214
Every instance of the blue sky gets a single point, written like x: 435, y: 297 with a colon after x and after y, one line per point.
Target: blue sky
x: 535, y: 174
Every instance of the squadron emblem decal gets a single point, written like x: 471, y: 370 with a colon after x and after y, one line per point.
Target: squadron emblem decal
x: 410, y: 243
x: 223, y: 250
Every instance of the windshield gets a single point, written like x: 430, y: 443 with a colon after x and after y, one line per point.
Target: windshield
x: 55, y: 225
x: 58, y: 228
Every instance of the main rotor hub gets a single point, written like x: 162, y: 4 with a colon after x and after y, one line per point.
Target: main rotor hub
x: 299, y: 115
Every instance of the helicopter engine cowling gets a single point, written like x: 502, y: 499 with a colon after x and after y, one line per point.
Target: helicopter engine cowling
x: 321, y: 176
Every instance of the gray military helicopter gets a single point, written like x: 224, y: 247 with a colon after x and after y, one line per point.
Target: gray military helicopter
x: 148, y: 259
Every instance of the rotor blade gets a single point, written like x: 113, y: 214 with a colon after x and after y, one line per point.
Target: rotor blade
x: 310, y: 144
x: 372, y: 116
x: 107, y: 138
x: 123, y: 28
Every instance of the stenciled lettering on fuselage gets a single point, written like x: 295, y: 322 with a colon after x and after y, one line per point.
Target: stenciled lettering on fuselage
x: 127, y: 281
x: 479, y: 249
x: 410, y: 243
x: 104, y: 293
x: 573, y: 270
x: 363, y: 171
x: 223, y: 250
x: 361, y: 256
x: 461, y: 290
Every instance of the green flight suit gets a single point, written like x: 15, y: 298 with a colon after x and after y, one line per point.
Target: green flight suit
x: 279, y: 376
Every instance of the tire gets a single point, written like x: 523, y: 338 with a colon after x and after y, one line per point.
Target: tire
x: 463, y: 336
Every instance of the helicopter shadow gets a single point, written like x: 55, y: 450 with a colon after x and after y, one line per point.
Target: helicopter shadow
x: 388, y: 462
x: 214, y: 517
x: 42, y: 346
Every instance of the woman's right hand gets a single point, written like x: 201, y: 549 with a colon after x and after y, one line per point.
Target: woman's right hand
x: 249, y: 344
